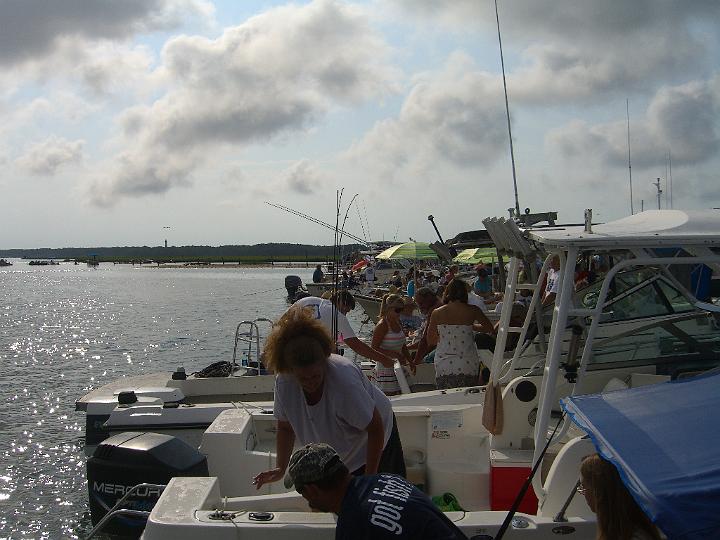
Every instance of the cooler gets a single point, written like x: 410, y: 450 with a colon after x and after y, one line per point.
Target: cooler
x: 509, y: 469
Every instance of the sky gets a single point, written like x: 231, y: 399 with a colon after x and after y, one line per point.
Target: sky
x: 129, y: 123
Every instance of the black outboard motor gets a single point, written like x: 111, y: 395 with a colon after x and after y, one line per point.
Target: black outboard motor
x: 293, y: 284
x: 128, y: 459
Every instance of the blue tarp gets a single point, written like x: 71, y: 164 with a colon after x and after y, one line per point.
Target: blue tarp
x: 665, y: 441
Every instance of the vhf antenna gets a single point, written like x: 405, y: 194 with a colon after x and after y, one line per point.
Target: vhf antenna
x: 507, y: 113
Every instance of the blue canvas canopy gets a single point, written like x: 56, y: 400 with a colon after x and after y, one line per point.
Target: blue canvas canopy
x: 664, y: 440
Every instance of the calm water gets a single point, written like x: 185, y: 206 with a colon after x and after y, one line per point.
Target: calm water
x: 67, y: 329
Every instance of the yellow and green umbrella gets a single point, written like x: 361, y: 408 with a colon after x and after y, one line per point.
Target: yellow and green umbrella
x: 408, y: 250
x: 476, y: 255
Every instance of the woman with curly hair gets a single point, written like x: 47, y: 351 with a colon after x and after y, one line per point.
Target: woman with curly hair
x: 618, y: 515
x: 389, y: 338
x: 322, y: 397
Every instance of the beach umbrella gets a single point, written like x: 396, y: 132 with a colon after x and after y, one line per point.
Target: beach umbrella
x: 476, y: 255
x: 414, y: 251
x: 409, y: 250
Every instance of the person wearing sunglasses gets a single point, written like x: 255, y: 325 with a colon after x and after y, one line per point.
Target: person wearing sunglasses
x: 389, y: 339
x: 618, y: 515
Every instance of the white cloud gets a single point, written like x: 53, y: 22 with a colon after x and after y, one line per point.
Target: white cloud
x: 589, y: 51
x: 33, y: 28
x: 453, y: 117
x: 303, y: 178
x: 682, y: 119
x: 46, y: 157
x: 275, y: 74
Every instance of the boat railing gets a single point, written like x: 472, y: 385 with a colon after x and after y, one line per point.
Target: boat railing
x: 116, y: 510
x: 563, y: 310
x: 248, y: 335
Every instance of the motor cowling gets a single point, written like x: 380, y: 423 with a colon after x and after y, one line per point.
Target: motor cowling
x: 125, y: 460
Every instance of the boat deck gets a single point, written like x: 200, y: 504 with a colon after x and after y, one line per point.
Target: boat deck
x: 108, y: 391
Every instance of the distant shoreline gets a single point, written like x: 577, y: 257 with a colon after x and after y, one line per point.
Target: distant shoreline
x: 228, y: 265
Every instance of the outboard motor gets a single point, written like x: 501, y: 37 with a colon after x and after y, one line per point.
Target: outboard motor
x: 293, y: 284
x: 128, y: 459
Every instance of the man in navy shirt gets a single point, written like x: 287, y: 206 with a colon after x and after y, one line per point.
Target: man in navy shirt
x: 368, y: 507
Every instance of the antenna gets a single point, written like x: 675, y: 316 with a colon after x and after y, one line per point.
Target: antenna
x: 659, y: 190
x: 627, y: 110
x: 507, y: 113
x: 671, y: 186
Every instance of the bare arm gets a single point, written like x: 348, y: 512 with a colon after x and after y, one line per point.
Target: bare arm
x: 283, y: 447
x: 422, y: 345
x: 432, y: 331
x: 368, y: 352
x: 482, y: 323
x: 375, y: 444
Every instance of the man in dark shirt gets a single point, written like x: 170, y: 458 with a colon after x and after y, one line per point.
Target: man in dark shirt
x: 318, y: 275
x: 368, y: 507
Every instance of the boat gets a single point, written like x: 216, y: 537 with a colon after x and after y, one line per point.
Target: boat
x: 294, y: 288
x: 187, y: 407
x: 180, y: 403
x: 3, y: 262
x: 481, y: 443
x: 44, y: 263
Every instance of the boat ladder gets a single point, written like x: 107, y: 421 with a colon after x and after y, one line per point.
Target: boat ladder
x: 117, y: 511
x: 247, y: 334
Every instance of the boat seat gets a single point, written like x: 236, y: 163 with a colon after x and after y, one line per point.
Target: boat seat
x: 561, y: 479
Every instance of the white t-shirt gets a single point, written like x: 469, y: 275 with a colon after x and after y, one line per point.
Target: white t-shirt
x: 553, y: 276
x: 341, y: 416
x: 476, y: 300
x: 323, y: 310
x: 369, y: 273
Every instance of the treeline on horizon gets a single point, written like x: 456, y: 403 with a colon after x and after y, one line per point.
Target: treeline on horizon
x: 256, y: 253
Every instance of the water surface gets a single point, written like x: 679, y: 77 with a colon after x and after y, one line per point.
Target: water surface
x: 67, y: 329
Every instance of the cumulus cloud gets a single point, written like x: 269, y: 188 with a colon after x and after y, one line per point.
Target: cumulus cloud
x: 273, y: 75
x: 587, y: 50
x: 33, y: 28
x: 455, y: 116
x: 303, y: 178
x: 682, y: 119
x: 46, y: 157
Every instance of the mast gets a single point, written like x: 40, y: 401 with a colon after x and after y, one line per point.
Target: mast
x: 627, y: 111
x: 507, y: 113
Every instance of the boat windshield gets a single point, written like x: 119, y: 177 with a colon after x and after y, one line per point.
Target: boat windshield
x: 636, y: 294
x: 678, y: 347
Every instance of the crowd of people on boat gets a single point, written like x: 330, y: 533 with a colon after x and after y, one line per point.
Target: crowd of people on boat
x: 351, y: 451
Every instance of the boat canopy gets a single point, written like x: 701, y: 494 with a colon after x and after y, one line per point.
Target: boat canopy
x: 649, y: 228
x: 664, y: 440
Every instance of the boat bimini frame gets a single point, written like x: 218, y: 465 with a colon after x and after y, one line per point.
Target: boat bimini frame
x: 636, y: 248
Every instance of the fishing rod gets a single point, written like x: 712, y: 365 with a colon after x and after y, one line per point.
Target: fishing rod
x: 319, y: 222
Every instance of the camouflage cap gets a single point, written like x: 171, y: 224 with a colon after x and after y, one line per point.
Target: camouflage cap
x: 311, y: 463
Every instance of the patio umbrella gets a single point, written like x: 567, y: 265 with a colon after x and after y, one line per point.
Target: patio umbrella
x: 476, y: 255
x: 414, y: 251
x: 409, y: 250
